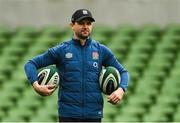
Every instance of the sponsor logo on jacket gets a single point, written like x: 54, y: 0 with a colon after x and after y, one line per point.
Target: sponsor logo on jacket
x: 95, y: 55
x: 68, y: 55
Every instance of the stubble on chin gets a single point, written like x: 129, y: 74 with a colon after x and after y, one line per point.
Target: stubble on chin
x: 80, y: 36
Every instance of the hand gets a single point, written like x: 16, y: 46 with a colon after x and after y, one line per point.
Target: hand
x: 116, y: 96
x: 43, y: 90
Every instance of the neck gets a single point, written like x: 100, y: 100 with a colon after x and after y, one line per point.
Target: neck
x: 82, y: 42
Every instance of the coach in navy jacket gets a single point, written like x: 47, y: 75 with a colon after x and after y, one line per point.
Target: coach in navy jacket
x: 79, y: 62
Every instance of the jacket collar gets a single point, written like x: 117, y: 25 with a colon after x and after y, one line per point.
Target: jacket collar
x: 77, y: 42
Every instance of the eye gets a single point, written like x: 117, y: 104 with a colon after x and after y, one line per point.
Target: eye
x: 81, y: 23
x: 89, y: 23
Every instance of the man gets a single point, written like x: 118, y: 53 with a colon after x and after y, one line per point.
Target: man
x: 79, y: 97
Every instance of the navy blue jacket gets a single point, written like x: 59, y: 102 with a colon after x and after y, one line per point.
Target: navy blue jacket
x: 79, y: 69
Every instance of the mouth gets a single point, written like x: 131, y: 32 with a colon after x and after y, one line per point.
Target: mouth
x: 85, y: 32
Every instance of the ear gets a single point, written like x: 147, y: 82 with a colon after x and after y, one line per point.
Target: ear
x: 71, y: 25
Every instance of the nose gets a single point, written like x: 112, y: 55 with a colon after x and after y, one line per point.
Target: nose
x: 85, y: 25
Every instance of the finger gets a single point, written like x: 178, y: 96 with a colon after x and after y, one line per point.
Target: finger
x: 111, y: 96
x: 108, y: 97
x: 116, y: 101
x: 111, y: 102
x: 115, y: 98
x: 50, y: 86
x: 44, y: 94
x: 47, y: 93
x: 52, y: 90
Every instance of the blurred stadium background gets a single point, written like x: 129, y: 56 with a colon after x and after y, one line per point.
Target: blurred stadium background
x: 143, y: 34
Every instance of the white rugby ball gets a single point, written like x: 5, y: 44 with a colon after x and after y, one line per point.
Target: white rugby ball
x: 109, y: 80
x: 48, y: 76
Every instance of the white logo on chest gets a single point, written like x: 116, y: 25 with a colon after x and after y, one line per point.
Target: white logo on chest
x: 69, y: 55
x: 95, y: 64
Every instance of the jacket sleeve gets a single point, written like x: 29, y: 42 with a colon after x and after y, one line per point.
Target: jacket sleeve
x: 110, y: 60
x: 47, y: 58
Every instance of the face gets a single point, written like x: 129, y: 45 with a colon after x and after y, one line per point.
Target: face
x: 82, y: 29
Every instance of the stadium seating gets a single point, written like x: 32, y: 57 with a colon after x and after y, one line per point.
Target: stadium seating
x: 150, y: 53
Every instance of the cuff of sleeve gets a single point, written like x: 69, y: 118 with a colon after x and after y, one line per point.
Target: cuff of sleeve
x: 31, y: 81
x: 124, y: 89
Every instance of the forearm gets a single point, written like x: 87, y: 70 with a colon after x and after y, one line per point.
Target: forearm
x: 37, y: 62
x: 124, y: 80
x: 31, y: 71
x: 123, y: 73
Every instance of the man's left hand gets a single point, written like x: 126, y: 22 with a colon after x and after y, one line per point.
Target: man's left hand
x: 116, y: 96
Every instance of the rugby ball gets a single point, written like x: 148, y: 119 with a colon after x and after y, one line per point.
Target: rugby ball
x: 48, y: 76
x: 109, y: 80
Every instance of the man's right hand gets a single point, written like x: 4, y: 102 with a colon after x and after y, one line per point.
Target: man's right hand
x: 43, y: 90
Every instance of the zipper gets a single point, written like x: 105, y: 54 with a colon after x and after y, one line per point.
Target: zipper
x: 83, y: 93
